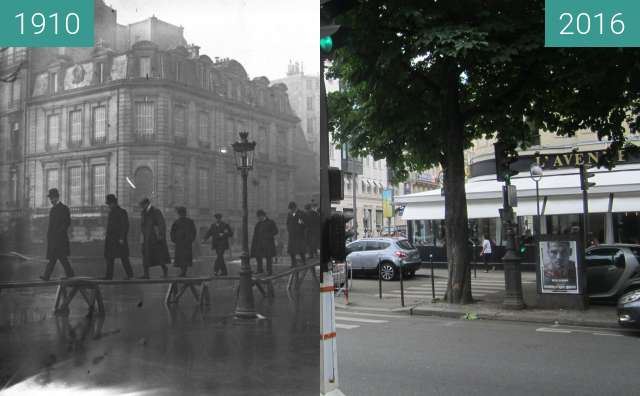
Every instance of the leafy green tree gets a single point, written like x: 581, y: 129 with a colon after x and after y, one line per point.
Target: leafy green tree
x: 422, y: 79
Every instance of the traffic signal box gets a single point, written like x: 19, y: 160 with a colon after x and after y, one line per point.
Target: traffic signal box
x: 504, y: 159
x: 584, y: 178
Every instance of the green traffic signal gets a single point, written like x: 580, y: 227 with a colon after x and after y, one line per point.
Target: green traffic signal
x: 326, y: 44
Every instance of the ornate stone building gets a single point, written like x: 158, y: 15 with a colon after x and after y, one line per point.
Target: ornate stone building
x: 142, y: 108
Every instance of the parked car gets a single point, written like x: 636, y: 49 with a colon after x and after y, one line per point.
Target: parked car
x: 629, y: 309
x: 393, y: 254
x: 612, y: 270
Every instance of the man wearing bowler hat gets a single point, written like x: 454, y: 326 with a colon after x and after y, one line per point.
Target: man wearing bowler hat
x: 57, y: 237
x: 155, y: 251
x: 220, y: 232
x: 115, y: 242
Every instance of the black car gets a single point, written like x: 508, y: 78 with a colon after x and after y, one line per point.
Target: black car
x: 629, y: 309
x: 612, y: 270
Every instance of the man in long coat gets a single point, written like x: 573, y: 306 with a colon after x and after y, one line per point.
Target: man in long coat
x: 115, y: 242
x: 313, y: 223
x: 57, y: 237
x: 297, y: 230
x: 220, y: 232
x: 155, y: 250
x: 183, y: 233
x: 263, y: 244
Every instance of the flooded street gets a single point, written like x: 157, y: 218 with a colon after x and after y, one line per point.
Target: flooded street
x: 142, y: 346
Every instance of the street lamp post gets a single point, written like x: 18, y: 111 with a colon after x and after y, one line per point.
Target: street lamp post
x: 536, y: 173
x: 243, y: 151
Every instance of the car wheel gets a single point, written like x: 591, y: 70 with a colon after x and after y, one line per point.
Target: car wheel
x: 387, y: 271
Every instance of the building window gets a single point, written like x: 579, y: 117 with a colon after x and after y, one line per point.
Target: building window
x: 75, y: 186
x: 145, y: 119
x: 100, y: 72
x: 281, y: 143
x: 203, y: 187
x: 52, y: 181
x: 145, y: 67
x: 16, y: 90
x: 178, y: 71
x: 54, y: 82
x: 261, y: 140
x: 178, y: 184
x: 179, y: 122
x: 310, y: 103
x: 99, y: 124
x: 309, y: 84
x: 99, y: 178
x: 75, y: 127
x: 53, y: 131
x: 211, y: 82
x: 203, y: 127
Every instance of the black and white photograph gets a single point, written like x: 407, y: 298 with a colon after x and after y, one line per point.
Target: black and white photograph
x: 145, y: 188
x: 559, y: 266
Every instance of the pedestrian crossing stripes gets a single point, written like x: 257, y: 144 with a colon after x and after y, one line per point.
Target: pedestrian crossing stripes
x: 349, y: 320
x: 479, y: 287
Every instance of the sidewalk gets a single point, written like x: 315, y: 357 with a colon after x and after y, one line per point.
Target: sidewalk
x: 487, y: 307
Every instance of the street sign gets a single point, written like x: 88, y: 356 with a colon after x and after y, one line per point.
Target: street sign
x: 387, y: 203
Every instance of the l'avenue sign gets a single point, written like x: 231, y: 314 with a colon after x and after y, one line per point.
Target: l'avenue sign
x: 567, y: 159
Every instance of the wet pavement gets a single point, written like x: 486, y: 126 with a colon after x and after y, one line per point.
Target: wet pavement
x: 143, y: 347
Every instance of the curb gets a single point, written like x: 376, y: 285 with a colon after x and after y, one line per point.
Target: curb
x: 498, y: 316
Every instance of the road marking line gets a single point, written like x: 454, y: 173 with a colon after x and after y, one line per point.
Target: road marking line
x: 369, y: 314
x: 608, y: 334
x: 376, y: 309
x: 349, y: 319
x: 550, y: 330
x: 346, y: 326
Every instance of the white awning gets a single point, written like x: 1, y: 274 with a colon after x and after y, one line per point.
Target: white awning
x: 573, y: 205
x: 485, y: 208
x: 625, y: 203
x: 432, y: 211
x: 527, y: 207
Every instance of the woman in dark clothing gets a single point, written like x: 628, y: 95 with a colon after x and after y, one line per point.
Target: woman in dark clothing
x: 183, y: 233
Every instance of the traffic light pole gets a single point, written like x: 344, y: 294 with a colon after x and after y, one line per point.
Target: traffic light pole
x: 511, y: 260
x: 328, y: 346
x: 585, y: 206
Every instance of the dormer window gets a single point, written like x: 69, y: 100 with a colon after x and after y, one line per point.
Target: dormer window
x: 145, y: 67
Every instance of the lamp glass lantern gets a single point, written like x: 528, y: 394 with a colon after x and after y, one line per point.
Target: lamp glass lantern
x: 536, y: 172
x: 243, y: 151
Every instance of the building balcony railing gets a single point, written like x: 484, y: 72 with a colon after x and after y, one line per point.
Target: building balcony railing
x: 181, y: 140
x: 144, y: 137
x: 99, y: 140
x: 204, y: 211
x: 73, y: 144
x: 52, y: 146
x: 204, y: 144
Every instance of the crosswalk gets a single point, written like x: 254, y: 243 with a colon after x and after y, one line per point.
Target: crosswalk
x: 479, y: 287
x: 349, y: 320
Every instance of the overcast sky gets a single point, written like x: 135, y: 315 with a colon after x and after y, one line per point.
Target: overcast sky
x: 263, y: 35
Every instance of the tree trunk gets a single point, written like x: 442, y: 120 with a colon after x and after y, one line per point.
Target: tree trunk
x: 456, y: 222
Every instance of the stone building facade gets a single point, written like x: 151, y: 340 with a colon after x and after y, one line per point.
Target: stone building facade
x: 142, y: 108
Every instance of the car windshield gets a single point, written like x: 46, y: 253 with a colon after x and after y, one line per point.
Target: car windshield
x: 404, y: 244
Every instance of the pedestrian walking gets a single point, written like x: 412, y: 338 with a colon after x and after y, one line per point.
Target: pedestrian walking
x: 183, y: 233
x: 313, y: 223
x: 57, y: 236
x: 263, y: 243
x: 220, y: 232
x: 115, y: 241
x: 486, y: 252
x: 296, y: 228
x: 155, y: 251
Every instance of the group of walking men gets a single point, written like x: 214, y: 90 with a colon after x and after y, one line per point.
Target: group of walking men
x: 303, y: 229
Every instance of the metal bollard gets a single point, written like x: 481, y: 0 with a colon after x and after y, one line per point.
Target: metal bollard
x: 380, y: 277
x: 474, y: 262
x: 401, y: 285
x: 433, y: 282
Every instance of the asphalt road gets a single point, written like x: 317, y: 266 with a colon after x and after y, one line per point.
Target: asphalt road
x: 384, y: 353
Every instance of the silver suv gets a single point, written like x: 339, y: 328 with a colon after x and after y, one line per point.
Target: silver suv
x: 364, y: 255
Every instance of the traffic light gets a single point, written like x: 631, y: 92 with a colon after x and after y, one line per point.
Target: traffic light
x: 584, y: 178
x: 327, y: 28
x: 337, y: 236
x: 336, y: 185
x: 504, y: 158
